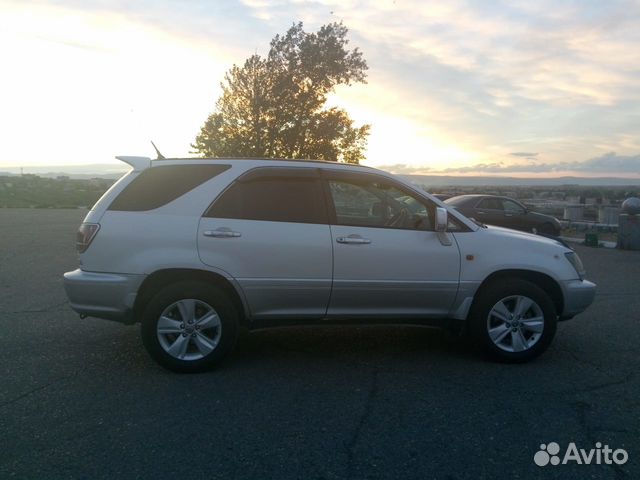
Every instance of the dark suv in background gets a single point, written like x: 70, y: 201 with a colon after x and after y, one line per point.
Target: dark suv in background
x: 504, y: 212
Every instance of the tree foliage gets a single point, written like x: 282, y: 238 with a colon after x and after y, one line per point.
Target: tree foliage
x: 273, y: 107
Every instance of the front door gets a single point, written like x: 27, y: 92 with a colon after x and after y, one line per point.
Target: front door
x: 491, y: 212
x: 388, y: 260
x: 516, y: 216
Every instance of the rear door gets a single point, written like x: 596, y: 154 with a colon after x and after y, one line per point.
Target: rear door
x: 269, y: 230
x: 388, y: 260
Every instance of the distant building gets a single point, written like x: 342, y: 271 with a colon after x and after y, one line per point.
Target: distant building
x: 608, y: 215
x: 574, y: 213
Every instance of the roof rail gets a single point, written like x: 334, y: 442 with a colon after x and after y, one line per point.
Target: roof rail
x: 138, y: 163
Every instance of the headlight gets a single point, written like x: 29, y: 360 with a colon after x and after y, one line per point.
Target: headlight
x: 574, y: 260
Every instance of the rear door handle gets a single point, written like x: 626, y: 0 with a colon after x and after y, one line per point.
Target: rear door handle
x: 353, y: 239
x: 221, y: 233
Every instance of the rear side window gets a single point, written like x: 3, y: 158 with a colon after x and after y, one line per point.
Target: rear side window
x: 158, y: 186
x: 286, y: 199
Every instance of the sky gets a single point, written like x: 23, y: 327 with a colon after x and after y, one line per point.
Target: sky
x: 518, y: 88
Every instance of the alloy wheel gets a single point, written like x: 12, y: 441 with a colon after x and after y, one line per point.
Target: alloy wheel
x: 189, y: 329
x: 515, y: 323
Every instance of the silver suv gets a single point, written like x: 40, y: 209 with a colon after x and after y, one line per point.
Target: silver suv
x: 196, y: 250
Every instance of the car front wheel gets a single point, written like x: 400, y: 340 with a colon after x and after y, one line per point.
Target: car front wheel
x: 513, y: 320
x: 189, y: 326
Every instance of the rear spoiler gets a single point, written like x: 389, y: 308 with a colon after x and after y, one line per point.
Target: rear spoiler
x: 138, y: 163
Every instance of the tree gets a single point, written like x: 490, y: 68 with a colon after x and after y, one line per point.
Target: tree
x: 273, y: 107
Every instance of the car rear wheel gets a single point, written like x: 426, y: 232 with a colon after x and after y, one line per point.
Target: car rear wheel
x: 189, y: 326
x: 513, y: 320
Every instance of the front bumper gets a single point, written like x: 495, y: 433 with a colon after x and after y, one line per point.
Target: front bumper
x: 104, y: 295
x: 578, y: 295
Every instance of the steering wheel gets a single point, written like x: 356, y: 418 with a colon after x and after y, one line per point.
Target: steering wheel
x: 398, y: 218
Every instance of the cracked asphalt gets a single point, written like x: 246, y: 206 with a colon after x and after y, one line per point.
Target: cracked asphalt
x: 81, y: 398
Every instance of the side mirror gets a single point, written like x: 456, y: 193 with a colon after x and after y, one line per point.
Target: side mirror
x: 442, y: 219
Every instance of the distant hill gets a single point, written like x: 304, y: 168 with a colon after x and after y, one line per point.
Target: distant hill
x: 96, y: 170
x: 450, y: 180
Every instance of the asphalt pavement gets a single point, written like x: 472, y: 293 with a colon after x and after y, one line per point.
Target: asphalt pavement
x: 81, y: 398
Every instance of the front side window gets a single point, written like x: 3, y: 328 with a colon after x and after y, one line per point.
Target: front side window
x: 378, y: 204
x: 273, y: 199
x: 512, y: 208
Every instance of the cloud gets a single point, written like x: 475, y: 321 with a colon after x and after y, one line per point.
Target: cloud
x: 547, y: 77
x: 610, y: 163
x: 404, y: 169
x: 73, y: 44
x: 527, y: 86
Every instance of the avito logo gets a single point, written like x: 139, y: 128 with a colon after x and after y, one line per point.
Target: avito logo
x: 550, y: 454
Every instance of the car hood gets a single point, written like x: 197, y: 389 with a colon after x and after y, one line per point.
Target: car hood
x: 517, y: 234
x: 493, y: 249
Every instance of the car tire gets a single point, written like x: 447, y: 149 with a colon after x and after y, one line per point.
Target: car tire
x: 189, y: 327
x: 513, y: 320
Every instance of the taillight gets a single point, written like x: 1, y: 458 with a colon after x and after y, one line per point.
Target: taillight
x: 85, y: 235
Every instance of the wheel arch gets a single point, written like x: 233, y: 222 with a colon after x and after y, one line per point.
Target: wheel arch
x: 548, y: 228
x: 541, y: 280
x: 164, y: 277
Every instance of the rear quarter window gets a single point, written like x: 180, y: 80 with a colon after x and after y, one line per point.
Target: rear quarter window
x: 158, y: 186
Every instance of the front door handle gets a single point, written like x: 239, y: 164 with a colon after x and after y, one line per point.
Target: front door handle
x: 221, y: 233
x: 353, y: 239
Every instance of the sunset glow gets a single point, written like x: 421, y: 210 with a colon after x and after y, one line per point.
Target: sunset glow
x: 529, y: 89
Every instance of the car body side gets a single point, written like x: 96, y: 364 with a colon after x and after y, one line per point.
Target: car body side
x: 136, y: 250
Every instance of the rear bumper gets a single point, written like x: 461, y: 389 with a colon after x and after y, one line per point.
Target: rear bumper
x: 104, y: 295
x: 578, y: 295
